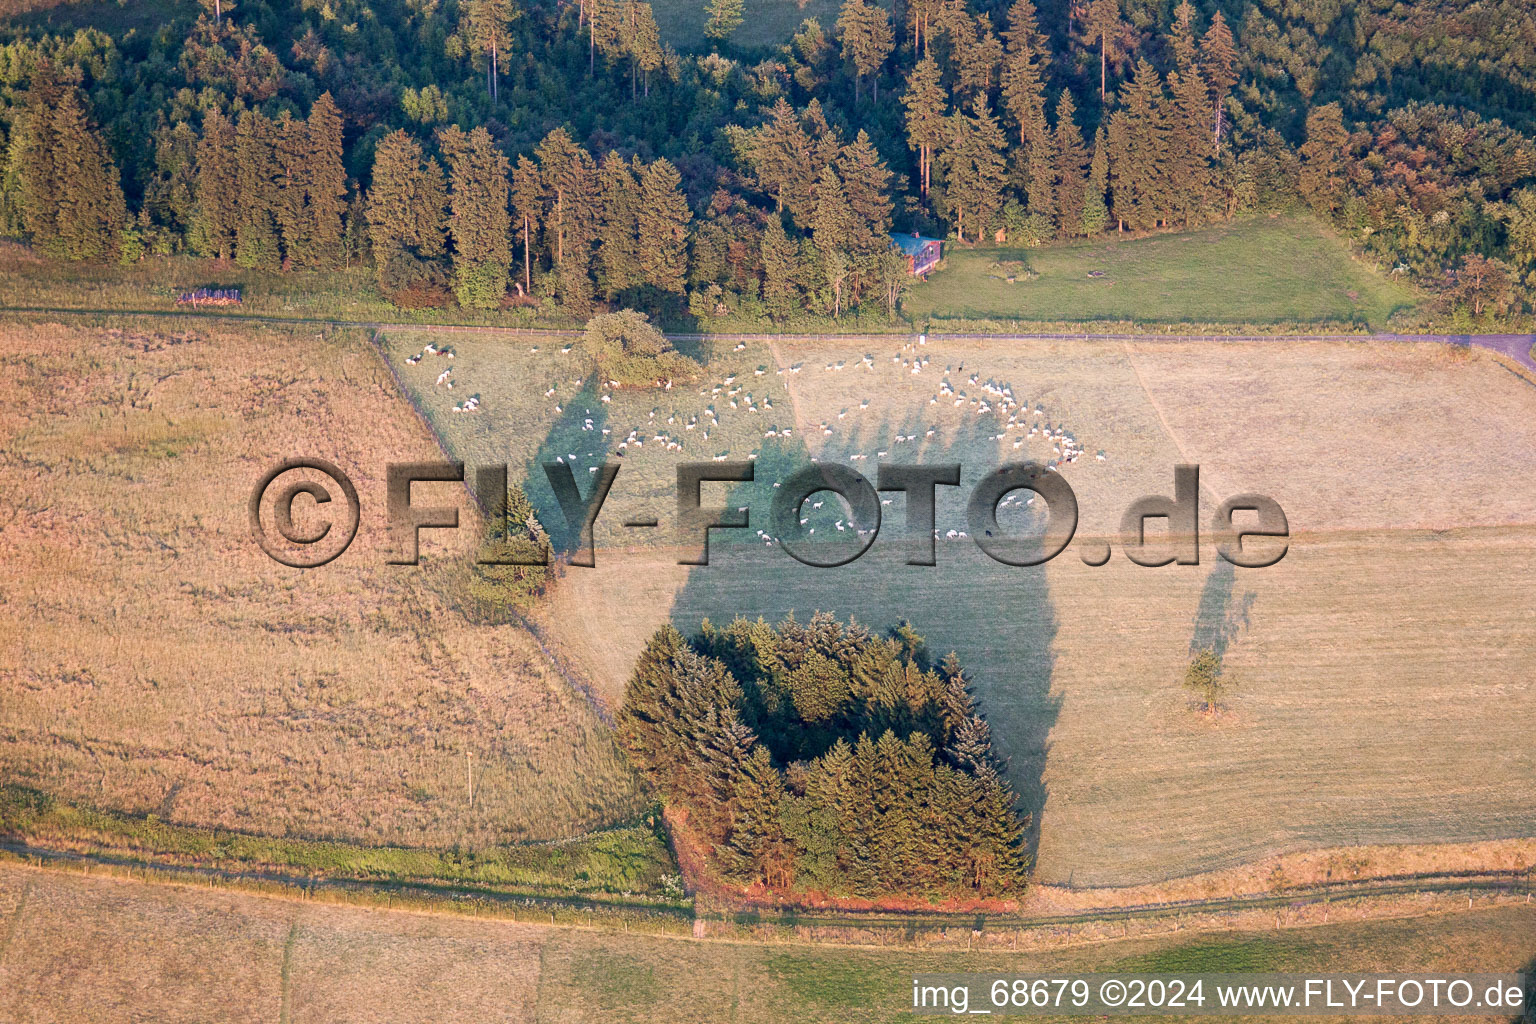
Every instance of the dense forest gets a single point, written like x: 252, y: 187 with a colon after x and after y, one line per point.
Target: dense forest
x: 562, y: 155
x: 820, y: 757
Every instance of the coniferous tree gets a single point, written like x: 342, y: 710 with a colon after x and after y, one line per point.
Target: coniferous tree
x: 407, y: 219
x: 866, y: 187
x: 618, y: 254
x: 325, y: 187
x: 867, y: 41
x: 1109, y: 32
x: 1218, y: 64
x: 170, y: 195
x: 1095, y: 209
x: 258, y: 180
x: 1324, y: 157
x: 487, y: 24
x: 664, y: 218
x: 90, y: 213
x: 1071, y: 167
x: 722, y: 18
x: 974, y: 168
x: 779, y: 256
x: 1024, y: 99
x: 478, y: 222
x: 571, y: 196
x: 926, y: 119
x: 217, y: 189
x: 527, y: 197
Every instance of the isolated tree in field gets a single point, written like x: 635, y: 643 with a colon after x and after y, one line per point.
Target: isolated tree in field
x: 1324, y: 157
x: 407, y: 220
x: 625, y: 347
x: 722, y: 18
x: 867, y: 41
x: 1208, y: 679
x: 663, y: 220
x: 478, y: 222
x: 927, y: 122
x: 487, y: 25
x: 1071, y: 167
x: 1218, y: 64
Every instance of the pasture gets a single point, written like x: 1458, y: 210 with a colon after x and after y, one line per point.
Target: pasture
x: 155, y: 661
x: 1383, y: 666
x: 97, y: 950
x: 1260, y: 270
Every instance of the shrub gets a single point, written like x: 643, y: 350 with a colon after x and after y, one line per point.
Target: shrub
x: 626, y: 348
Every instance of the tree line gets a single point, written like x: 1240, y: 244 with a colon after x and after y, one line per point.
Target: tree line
x: 821, y: 757
x: 485, y: 152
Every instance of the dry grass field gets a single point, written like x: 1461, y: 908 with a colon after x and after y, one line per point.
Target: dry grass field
x: 1384, y: 666
x: 96, y: 950
x: 153, y: 660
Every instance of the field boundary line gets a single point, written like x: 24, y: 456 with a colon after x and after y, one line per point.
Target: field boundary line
x: 473, y: 903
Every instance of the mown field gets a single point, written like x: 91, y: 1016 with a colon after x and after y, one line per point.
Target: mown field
x: 154, y: 661
x: 100, y: 950
x: 1258, y: 271
x: 1384, y: 666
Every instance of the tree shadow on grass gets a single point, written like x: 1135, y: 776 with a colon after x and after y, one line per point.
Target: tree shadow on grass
x: 999, y: 619
x: 1220, y: 619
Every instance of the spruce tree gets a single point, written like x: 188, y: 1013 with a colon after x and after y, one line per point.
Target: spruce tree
x: 1218, y: 65
x: 527, y: 199
x: 973, y: 164
x: 618, y: 266
x: 926, y: 121
x: 867, y: 41
x: 91, y: 213
x: 664, y: 218
x: 1110, y: 34
x: 571, y: 195
x: 487, y: 24
x: 866, y: 188
x: 258, y: 180
x: 217, y: 188
x: 1071, y: 167
x: 478, y: 222
x: 779, y: 256
x: 1095, y: 208
x: 325, y: 186
x: 722, y: 18
x: 1324, y: 157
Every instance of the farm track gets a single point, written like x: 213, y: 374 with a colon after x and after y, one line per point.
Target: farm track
x: 471, y: 900
x: 1516, y: 347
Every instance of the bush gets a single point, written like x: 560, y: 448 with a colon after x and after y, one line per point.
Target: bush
x: 413, y: 283
x: 481, y: 287
x: 626, y: 348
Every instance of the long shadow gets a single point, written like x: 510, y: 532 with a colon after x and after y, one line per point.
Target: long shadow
x: 575, y: 438
x: 1219, y: 620
x: 999, y: 619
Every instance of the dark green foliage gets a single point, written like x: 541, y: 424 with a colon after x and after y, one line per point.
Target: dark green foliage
x: 819, y: 756
x: 626, y: 350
